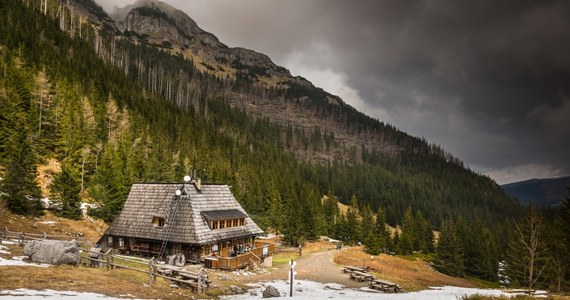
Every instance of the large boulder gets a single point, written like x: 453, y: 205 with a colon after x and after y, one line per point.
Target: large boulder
x: 53, y: 252
x: 235, y: 290
x: 270, y: 291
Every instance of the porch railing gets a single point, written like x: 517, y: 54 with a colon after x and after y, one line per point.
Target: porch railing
x: 259, y: 252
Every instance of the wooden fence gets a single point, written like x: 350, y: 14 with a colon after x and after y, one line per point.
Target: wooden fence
x: 195, y: 280
x: 23, y: 237
x: 94, y: 257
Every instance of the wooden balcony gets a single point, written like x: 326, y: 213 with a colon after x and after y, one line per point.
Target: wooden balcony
x: 255, y: 255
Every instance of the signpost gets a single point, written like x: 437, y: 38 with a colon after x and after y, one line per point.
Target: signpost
x: 291, y: 277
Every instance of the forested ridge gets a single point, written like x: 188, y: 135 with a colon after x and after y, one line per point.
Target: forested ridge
x: 110, y: 122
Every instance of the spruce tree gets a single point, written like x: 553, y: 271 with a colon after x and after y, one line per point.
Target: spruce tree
x: 481, y: 257
x: 331, y: 213
x: 293, y: 231
x: 409, y: 234
x: 276, y: 211
x: 66, y: 189
x: 558, y: 252
x: 449, y: 259
x: 367, y: 222
x: 353, y: 223
x: 382, y: 231
x: 372, y: 243
x: 109, y: 186
x: 19, y: 187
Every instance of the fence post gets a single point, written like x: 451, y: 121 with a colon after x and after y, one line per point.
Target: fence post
x: 21, y: 238
x: 108, y: 262
x: 200, y: 280
x: 107, y: 257
x: 151, y: 272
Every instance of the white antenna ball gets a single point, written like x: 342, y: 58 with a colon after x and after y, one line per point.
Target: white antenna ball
x: 187, y: 178
x: 178, y: 193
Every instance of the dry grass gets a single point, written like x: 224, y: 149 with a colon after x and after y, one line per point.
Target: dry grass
x: 287, y: 254
x: 318, y: 246
x: 411, y: 275
x: 112, y: 283
x: 84, y: 279
x: 116, y: 283
x: 90, y: 230
x: 46, y: 171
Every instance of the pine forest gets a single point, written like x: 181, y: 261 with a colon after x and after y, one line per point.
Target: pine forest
x: 112, y: 110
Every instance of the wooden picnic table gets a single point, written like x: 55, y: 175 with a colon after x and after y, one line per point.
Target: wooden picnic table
x: 350, y: 269
x: 361, y: 276
x: 385, y: 286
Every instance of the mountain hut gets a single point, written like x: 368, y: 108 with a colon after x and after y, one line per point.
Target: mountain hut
x: 202, y: 222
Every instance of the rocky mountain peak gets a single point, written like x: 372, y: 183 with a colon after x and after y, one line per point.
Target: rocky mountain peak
x: 156, y: 21
x: 162, y: 25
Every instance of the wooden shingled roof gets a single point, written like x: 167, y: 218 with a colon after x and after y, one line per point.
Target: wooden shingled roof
x: 146, y: 201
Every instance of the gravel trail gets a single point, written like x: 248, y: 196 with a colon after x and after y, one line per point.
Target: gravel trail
x: 318, y: 266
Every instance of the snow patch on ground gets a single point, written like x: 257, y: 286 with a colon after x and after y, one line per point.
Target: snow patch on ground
x: 8, y: 242
x: 4, y: 252
x: 35, y: 294
x: 304, y: 289
x: 19, y: 262
x: 48, y: 222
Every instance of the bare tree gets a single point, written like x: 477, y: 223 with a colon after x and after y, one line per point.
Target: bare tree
x: 527, y: 253
x: 44, y: 98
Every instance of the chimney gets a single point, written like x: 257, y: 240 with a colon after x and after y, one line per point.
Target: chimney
x: 196, y: 181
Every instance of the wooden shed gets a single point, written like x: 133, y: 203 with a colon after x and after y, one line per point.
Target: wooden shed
x: 196, y: 220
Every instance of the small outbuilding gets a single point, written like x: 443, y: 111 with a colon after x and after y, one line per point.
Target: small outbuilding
x: 198, y: 221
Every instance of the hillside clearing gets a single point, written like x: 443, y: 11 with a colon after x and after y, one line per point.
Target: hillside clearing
x: 320, y: 262
x: 412, y: 275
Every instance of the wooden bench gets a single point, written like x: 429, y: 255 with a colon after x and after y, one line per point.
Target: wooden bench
x: 350, y: 269
x: 384, y: 286
x: 182, y: 274
x: 361, y: 276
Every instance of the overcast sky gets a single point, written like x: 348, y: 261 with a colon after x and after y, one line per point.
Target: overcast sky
x: 487, y: 80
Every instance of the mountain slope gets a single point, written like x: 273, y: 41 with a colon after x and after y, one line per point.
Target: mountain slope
x: 127, y: 108
x: 543, y: 192
x: 252, y: 82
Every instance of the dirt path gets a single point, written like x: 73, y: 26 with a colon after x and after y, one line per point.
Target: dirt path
x: 318, y: 266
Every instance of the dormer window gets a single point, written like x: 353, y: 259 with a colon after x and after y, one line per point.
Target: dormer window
x: 158, y: 222
x: 220, y: 219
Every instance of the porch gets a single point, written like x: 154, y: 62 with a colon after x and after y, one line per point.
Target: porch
x: 260, y: 254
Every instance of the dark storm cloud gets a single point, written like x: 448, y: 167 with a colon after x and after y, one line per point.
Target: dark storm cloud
x: 488, y: 80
